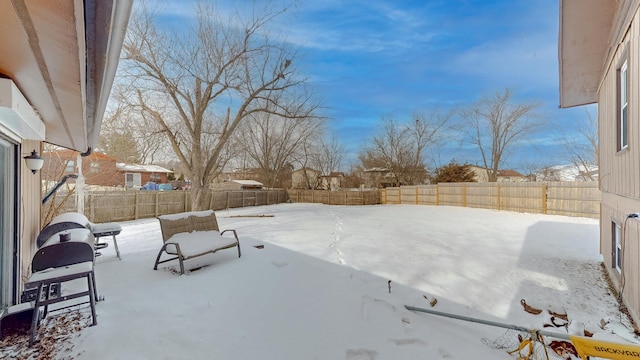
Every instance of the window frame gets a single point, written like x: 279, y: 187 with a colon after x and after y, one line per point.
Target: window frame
x: 616, y: 243
x: 622, y: 108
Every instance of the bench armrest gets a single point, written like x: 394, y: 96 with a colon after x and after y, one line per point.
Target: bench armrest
x: 235, y: 235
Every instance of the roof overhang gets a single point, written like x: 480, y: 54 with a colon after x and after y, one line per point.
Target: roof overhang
x: 583, y: 46
x: 62, y: 55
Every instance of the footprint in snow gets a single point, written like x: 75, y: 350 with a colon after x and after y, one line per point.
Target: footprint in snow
x: 362, y: 354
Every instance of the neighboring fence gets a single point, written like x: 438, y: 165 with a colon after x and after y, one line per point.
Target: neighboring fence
x: 554, y: 198
x: 106, y: 206
x: 346, y: 197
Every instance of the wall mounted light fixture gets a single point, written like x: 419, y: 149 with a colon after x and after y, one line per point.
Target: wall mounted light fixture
x: 34, y: 161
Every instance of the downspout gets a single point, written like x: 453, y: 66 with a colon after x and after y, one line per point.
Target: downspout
x: 57, y: 186
x: 80, y: 181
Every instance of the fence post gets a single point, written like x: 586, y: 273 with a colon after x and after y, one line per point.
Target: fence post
x: 544, y: 198
x: 346, y: 200
x: 437, y: 195
x: 185, y: 200
x: 157, y: 201
x: 498, y: 204
x: 92, y: 208
x: 417, y: 196
x: 464, y: 195
x: 135, y: 212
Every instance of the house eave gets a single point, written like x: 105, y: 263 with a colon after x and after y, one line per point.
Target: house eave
x: 583, y: 46
x: 62, y: 56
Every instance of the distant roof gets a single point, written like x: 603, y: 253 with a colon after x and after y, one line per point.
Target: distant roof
x: 247, y: 182
x: 508, y: 173
x: 142, y: 168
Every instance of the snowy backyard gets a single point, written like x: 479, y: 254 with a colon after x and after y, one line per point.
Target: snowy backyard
x: 319, y: 289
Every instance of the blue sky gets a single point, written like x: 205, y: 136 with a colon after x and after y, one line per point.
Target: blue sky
x: 368, y: 59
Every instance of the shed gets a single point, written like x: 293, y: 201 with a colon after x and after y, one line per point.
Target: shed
x: 242, y: 185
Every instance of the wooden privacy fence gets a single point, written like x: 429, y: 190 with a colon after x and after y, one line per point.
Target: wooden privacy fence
x: 344, y: 197
x: 554, y: 198
x: 106, y: 206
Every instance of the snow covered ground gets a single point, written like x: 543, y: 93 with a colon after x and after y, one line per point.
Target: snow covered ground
x: 319, y: 289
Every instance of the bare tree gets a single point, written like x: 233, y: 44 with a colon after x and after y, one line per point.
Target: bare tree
x: 495, y: 123
x: 400, y: 147
x: 275, y: 143
x: 582, y: 149
x: 200, y: 82
x: 327, y: 155
x: 117, y: 138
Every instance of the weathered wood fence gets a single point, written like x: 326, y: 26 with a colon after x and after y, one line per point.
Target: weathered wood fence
x: 554, y: 198
x: 106, y: 206
x: 344, y: 197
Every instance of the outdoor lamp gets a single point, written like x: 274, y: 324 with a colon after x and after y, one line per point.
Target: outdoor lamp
x: 34, y: 161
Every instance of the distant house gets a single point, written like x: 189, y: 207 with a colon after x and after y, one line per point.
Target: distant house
x: 568, y: 173
x: 97, y: 168
x: 332, y: 181
x: 100, y: 169
x: 130, y: 173
x: 378, y: 177
x: 280, y: 180
x: 482, y: 175
x: 304, y: 178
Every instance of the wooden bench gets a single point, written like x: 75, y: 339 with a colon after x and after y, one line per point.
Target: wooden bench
x: 191, y: 234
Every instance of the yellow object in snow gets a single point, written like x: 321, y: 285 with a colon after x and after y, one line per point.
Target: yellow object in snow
x: 606, y: 350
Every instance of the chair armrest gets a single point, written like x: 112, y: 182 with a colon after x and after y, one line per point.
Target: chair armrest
x: 235, y: 235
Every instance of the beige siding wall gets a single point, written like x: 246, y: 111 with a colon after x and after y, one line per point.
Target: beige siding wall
x: 615, y: 209
x: 620, y: 170
x: 30, y: 200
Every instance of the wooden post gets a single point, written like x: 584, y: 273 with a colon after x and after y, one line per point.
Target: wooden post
x: 544, y: 198
x: 498, y: 198
x: 185, y: 200
x: 211, y: 200
x: 345, y: 198
x: 157, y: 200
x: 228, y: 199
x: 135, y: 212
x: 92, y: 208
x: 464, y: 195
x: 437, y: 195
x: 417, y: 196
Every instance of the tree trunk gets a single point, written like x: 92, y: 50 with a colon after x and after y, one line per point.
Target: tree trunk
x: 199, y: 197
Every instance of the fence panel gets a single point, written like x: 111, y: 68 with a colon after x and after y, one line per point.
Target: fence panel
x: 482, y: 195
x: 107, y: 206
x: 523, y: 197
x: 451, y: 194
x: 561, y: 199
x: 358, y: 197
x: 555, y: 198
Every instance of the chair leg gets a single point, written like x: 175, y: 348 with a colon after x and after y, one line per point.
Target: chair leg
x: 36, y: 315
x: 92, y: 296
x: 181, y: 265
x: 155, y: 266
x: 115, y: 244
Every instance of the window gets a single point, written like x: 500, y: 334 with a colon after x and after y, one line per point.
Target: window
x: 70, y: 166
x: 616, y: 236
x: 623, y: 106
x: 95, y: 167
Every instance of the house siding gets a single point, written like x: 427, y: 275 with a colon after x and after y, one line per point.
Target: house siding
x: 620, y: 170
